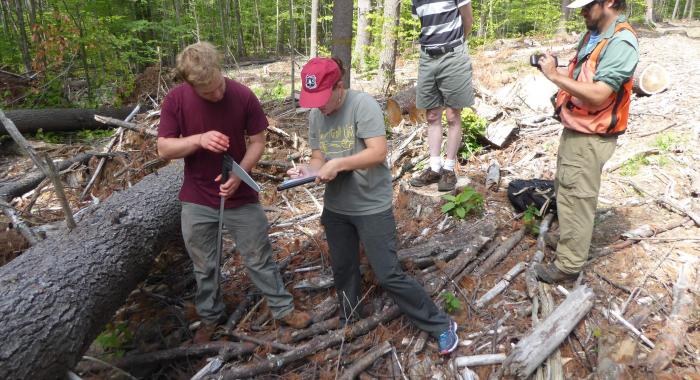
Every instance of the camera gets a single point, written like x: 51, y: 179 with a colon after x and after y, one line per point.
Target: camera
x: 535, y: 58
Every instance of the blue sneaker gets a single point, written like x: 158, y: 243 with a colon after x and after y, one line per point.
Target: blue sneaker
x: 448, y: 339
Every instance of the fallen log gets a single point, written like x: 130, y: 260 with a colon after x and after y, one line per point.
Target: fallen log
x: 61, y: 119
x: 404, y: 102
x: 366, y: 361
x: 500, y: 253
x: 56, y: 297
x: 531, y: 351
x: 674, y: 334
x: 32, y: 180
x: 178, y: 353
x: 650, y: 79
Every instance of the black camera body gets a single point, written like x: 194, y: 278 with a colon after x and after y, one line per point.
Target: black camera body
x: 535, y: 58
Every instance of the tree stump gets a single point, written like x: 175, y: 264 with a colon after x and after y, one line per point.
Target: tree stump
x: 650, y: 79
x: 404, y: 102
x: 425, y: 201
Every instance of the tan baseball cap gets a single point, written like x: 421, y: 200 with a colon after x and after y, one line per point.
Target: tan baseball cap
x: 579, y: 3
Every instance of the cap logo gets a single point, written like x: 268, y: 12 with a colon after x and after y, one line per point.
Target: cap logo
x: 310, y: 82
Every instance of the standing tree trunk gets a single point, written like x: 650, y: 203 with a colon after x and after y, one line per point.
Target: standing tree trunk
x: 260, y: 32
x: 482, y: 19
x: 562, y: 18
x: 56, y: 297
x: 23, y: 40
x: 224, y: 25
x: 688, y: 8
x: 240, y: 48
x: 314, y: 29
x: 180, y: 41
x: 390, y: 29
x: 342, y: 35
x: 674, y: 15
x: 277, y: 28
x: 362, y: 38
x: 292, y: 39
x: 649, y: 14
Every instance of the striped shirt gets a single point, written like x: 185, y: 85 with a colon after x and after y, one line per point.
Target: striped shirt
x: 441, y: 23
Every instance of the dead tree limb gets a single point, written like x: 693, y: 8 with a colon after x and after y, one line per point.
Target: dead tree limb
x: 531, y: 351
x: 19, y: 224
x: 674, y: 334
x: 500, y: 253
x: 366, y: 361
x: 126, y: 125
x: 479, y: 360
x: 178, y: 353
x: 501, y: 285
x: 60, y: 192
x: 56, y: 297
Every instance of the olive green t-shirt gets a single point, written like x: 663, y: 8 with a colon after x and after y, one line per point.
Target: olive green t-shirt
x: 617, y: 61
x: 342, y: 134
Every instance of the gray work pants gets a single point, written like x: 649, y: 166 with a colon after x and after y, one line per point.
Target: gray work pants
x: 377, y: 232
x: 248, y: 225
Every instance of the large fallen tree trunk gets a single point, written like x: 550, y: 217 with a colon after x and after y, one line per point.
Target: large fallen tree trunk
x: 56, y: 297
x: 61, y: 119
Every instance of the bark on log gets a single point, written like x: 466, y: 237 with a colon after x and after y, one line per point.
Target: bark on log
x: 500, y: 253
x: 531, y: 351
x: 650, y: 79
x: 404, y: 102
x: 177, y: 353
x: 55, y: 298
x: 499, y: 132
x: 674, y: 333
x: 366, y: 361
x: 61, y: 119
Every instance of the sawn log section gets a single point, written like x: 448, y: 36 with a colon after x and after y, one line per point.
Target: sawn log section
x: 56, y: 297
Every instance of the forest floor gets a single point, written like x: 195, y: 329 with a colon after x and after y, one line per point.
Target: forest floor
x: 658, y: 154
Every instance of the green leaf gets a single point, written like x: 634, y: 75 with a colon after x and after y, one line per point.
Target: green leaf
x: 448, y: 206
x: 461, y: 212
x: 449, y: 197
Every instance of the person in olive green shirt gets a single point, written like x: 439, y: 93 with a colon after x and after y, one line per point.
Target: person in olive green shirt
x: 583, y: 149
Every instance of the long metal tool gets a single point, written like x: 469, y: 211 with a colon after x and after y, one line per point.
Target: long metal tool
x: 226, y: 166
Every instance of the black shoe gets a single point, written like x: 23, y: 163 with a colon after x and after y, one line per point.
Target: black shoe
x: 427, y: 177
x: 448, y: 180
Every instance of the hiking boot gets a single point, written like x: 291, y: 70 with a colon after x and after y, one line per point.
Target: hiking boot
x: 447, y: 341
x: 550, y: 274
x: 297, y: 319
x: 448, y: 180
x: 427, y: 177
x: 204, y: 333
x: 551, y: 239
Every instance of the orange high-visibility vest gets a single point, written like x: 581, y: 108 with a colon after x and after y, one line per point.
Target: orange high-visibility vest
x: 610, y: 118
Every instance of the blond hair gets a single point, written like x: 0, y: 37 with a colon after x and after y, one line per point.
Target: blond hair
x: 199, y: 63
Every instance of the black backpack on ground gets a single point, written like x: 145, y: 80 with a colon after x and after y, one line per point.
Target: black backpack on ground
x: 537, y: 192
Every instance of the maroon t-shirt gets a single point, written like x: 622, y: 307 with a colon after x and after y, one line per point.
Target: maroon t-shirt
x: 238, y: 114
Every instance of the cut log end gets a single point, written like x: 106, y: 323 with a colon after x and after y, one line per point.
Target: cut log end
x: 651, y: 79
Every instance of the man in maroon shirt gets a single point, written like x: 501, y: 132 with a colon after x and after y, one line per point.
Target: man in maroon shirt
x: 202, y: 119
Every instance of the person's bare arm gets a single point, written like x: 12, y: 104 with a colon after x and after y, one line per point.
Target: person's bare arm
x: 467, y: 18
x: 374, y: 154
x: 171, y: 148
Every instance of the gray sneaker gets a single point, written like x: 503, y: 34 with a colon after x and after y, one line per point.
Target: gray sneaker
x: 448, y: 180
x: 427, y: 177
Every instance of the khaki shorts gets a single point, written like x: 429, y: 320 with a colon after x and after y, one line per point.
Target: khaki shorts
x: 445, y: 80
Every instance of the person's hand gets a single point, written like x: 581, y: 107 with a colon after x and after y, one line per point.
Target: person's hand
x: 300, y: 171
x: 214, y: 141
x: 548, y: 65
x: 227, y: 189
x: 328, y: 172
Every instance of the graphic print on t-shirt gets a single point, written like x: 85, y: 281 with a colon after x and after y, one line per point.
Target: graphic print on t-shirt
x: 338, y: 142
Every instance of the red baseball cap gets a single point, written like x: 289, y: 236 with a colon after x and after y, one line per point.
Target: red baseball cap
x: 318, y: 77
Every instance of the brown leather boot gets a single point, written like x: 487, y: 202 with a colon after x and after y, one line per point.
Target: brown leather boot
x: 448, y: 180
x: 204, y: 333
x: 425, y: 178
x: 297, y: 319
x: 550, y: 274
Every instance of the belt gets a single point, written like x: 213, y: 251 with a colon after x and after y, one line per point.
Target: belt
x: 437, y: 51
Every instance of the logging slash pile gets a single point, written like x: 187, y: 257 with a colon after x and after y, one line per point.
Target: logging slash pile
x: 126, y: 302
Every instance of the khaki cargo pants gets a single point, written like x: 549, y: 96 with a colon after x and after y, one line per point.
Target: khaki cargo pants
x: 580, y: 163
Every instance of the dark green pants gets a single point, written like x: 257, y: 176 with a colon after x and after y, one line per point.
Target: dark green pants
x: 377, y: 233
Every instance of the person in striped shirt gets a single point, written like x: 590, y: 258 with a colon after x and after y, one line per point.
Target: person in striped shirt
x: 444, y: 82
